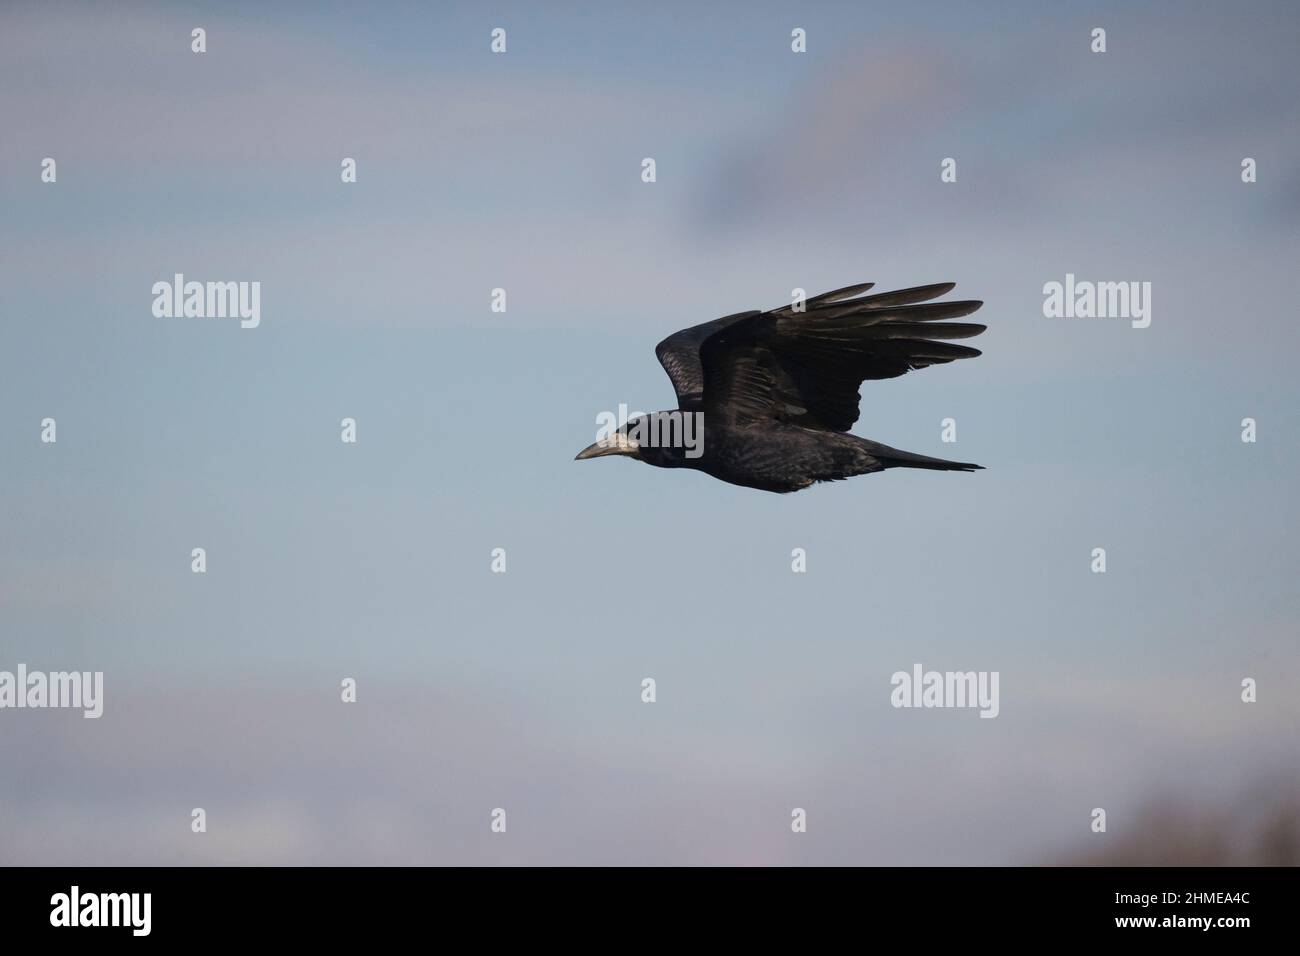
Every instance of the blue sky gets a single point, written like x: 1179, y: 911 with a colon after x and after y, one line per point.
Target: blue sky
x: 775, y: 171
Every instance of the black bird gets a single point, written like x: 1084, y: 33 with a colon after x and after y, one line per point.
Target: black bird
x: 766, y: 399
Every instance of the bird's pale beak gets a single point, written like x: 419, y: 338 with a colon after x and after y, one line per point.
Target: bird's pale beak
x: 615, y: 445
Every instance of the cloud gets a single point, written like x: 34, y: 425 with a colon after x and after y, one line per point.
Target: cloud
x: 1033, y: 118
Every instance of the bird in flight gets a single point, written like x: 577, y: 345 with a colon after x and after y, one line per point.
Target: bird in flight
x: 775, y: 393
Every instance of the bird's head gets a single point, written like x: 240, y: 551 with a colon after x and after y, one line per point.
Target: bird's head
x: 616, y: 443
x: 646, y: 438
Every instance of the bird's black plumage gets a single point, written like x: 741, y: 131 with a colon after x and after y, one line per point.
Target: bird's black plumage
x: 777, y: 391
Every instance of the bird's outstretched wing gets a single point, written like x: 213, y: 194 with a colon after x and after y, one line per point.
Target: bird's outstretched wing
x: 806, y: 367
x: 679, y: 354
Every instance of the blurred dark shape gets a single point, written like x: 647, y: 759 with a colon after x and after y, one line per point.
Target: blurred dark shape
x: 1260, y: 831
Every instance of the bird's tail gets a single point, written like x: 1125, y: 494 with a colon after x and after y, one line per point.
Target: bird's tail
x: 893, y: 458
